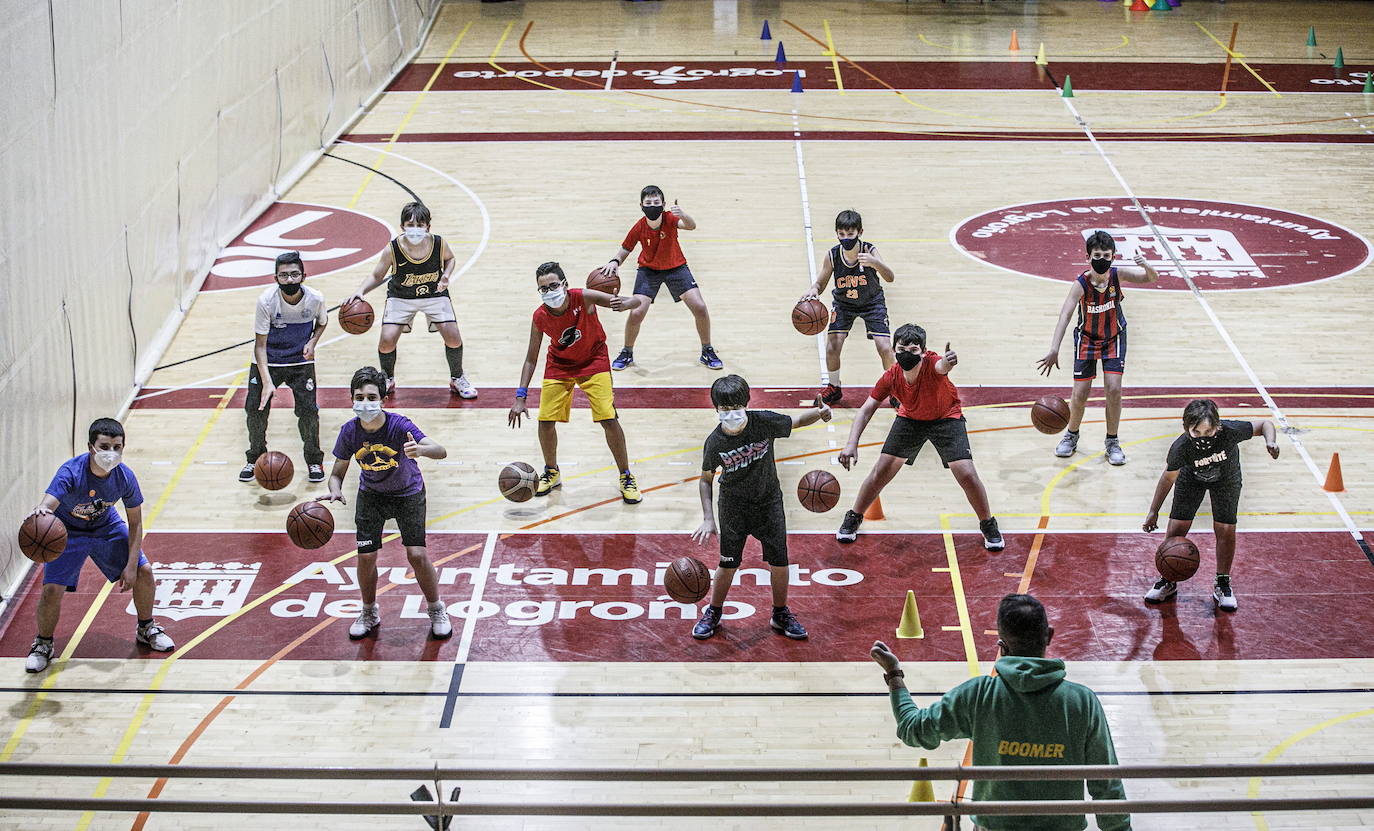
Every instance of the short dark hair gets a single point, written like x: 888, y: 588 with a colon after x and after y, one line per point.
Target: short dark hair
x: 415, y: 212
x: 1023, y: 625
x: 731, y: 391
x: 651, y: 190
x: 846, y: 220
x: 1099, y: 239
x: 104, y: 427
x: 368, y: 375
x: 289, y: 258
x: 1200, y: 410
x: 550, y: 267
x: 910, y: 333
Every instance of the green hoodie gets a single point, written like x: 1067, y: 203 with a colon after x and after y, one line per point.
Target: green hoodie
x: 1026, y: 714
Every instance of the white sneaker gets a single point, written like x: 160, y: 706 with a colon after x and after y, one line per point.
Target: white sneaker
x: 439, y: 624
x: 1067, y: 445
x: 39, y: 655
x: 154, y: 637
x: 463, y: 387
x: 1115, y: 455
x: 1162, y: 591
x: 368, y: 619
x: 1223, y: 594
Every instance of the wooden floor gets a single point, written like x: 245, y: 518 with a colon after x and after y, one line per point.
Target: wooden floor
x: 927, y: 124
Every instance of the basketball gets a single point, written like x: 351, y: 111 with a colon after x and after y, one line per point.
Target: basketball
x: 687, y: 580
x: 42, y: 537
x: 517, y: 482
x: 1050, y: 414
x: 810, y: 317
x: 1176, y: 559
x: 309, y: 525
x: 273, y: 470
x: 819, y: 491
x: 356, y: 317
x: 609, y: 283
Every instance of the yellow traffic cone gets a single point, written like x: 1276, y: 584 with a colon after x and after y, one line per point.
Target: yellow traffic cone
x: 910, y: 626
x: 1040, y: 57
x: 921, y: 789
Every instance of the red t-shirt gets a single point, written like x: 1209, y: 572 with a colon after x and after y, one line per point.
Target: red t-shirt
x: 577, y: 343
x: 932, y: 397
x: 658, y: 246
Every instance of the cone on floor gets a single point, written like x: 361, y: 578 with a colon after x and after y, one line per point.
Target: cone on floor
x: 921, y: 789
x: 1173, y: 4
x: 1068, y: 88
x: 1334, y: 482
x: 874, y: 510
x: 1161, y: 6
x: 1311, y: 35
x: 1368, y: 83
x: 765, y: 35
x: 1015, y: 45
x: 781, y: 57
x: 1340, y: 58
x: 1139, y: 6
x: 1040, y: 57
x: 796, y: 82
x: 910, y: 624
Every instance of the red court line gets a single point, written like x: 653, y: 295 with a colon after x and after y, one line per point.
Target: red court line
x: 859, y: 135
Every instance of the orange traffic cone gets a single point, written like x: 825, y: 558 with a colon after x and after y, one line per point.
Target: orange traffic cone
x: 1015, y: 44
x: 874, y: 510
x: 1334, y: 483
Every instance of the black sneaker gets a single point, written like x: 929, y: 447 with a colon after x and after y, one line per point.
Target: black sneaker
x: 246, y: 473
x: 316, y: 473
x: 849, y: 529
x: 785, y: 622
x: 709, y: 623
x: 992, y: 538
x: 831, y: 394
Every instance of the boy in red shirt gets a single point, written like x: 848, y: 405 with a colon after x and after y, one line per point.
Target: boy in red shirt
x: 929, y: 411
x: 661, y: 261
x: 577, y: 358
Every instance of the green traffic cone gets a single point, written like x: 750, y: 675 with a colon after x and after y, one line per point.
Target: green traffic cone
x: 1368, y: 83
x: 1340, y: 59
x: 1068, y: 88
x: 1311, y: 35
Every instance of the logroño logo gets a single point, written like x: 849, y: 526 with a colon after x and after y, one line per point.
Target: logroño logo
x: 329, y: 239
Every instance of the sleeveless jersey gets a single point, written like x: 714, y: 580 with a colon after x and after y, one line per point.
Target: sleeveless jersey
x: 577, y: 343
x: 417, y: 280
x: 855, y: 286
x: 1100, y: 316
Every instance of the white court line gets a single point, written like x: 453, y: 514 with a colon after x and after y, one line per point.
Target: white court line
x: 806, y: 226
x: 1263, y: 391
x: 652, y: 532
x: 610, y: 76
x: 474, y: 606
x: 1359, y: 124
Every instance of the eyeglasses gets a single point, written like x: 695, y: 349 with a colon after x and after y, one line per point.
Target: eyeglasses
x: 550, y: 289
x: 290, y: 273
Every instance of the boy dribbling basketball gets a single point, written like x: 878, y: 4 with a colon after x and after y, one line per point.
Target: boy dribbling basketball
x: 1099, y: 334
x: 390, y: 486
x: 1206, y: 459
x: 750, y: 498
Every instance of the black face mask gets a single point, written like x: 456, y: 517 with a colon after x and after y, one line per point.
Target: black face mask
x: 1101, y: 264
x: 652, y: 212
x: 1204, y: 444
x: 908, y: 360
x: 849, y: 243
x: 290, y: 289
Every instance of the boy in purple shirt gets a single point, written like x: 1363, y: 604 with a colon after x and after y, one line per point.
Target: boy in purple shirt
x: 82, y: 495
x: 390, y: 487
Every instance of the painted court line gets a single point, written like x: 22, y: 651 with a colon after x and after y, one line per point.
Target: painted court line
x: 808, y: 232
x: 472, y: 613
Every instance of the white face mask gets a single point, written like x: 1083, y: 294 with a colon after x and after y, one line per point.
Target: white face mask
x: 367, y: 410
x: 107, y: 460
x: 733, y: 420
x: 415, y: 236
x: 555, y: 298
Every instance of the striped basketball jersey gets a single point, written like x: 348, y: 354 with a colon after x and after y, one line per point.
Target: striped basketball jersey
x: 1100, y: 316
x: 413, y: 280
x: 854, y: 285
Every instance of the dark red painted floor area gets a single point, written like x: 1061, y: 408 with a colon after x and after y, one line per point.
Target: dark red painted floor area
x: 1302, y: 595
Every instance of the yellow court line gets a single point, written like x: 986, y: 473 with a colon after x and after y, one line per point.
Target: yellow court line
x: 358, y: 194
x: 834, y: 62
x: 956, y: 580
x: 1287, y: 743
x: 932, y: 43
x: 1238, y: 58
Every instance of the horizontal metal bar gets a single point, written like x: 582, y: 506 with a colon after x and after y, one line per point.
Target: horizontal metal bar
x: 873, y: 774
x: 689, y: 809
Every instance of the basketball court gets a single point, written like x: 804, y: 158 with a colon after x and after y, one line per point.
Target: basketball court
x: 1208, y: 137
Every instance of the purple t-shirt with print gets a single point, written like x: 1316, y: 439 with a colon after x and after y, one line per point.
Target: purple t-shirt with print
x: 381, y: 455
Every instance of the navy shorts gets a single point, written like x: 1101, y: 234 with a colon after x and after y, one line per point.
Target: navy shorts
x: 679, y: 281
x: 874, y: 316
x: 107, y: 547
x: 1085, y: 369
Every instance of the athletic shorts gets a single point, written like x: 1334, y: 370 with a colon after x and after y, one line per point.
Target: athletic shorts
x: 766, y: 523
x: 1085, y: 369
x: 556, y: 395
x: 679, y: 281
x: 402, y: 311
x: 107, y: 547
x: 372, y: 510
x: 1188, y: 498
x: 874, y: 316
x: 908, y: 436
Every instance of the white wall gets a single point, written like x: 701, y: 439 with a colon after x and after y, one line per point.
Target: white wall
x: 136, y: 138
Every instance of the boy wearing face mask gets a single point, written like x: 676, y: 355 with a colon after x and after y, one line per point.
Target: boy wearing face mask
x: 290, y: 319
x: 390, y: 486
x: 1099, y: 333
x: 417, y: 267
x: 82, y: 495
x: 929, y: 411
x: 858, y: 294
x: 750, y: 498
x: 1206, y: 459
x: 661, y: 262
x: 577, y: 358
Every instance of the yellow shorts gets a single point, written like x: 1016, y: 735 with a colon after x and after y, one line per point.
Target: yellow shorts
x: 555, y: 397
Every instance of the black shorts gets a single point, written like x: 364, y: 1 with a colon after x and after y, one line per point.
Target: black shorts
x: 874, y: 316
x: 372, y: 510
x: 908, y: 436
x: 766, y: 523
x: 679, y: 280
x: 1188, y: 495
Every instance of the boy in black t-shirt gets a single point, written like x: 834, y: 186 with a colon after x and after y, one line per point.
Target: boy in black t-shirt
x: 750, y: 497
x: 1206, y: 458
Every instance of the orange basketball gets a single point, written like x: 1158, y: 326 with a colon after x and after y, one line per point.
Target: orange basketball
x: 687, y: 580
x: 356, y: 317
x: 1050, y: 414
x: 516, y: 482
x: 42, y: 537
x: 609, y: 283
x: 819, y: 491
x: 1176, y: 559
x: 273, y: 470
x: 309, y: 525
x: 810, y: 317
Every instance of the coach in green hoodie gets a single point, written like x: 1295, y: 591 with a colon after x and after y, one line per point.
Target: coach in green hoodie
x: 1025, y: 714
